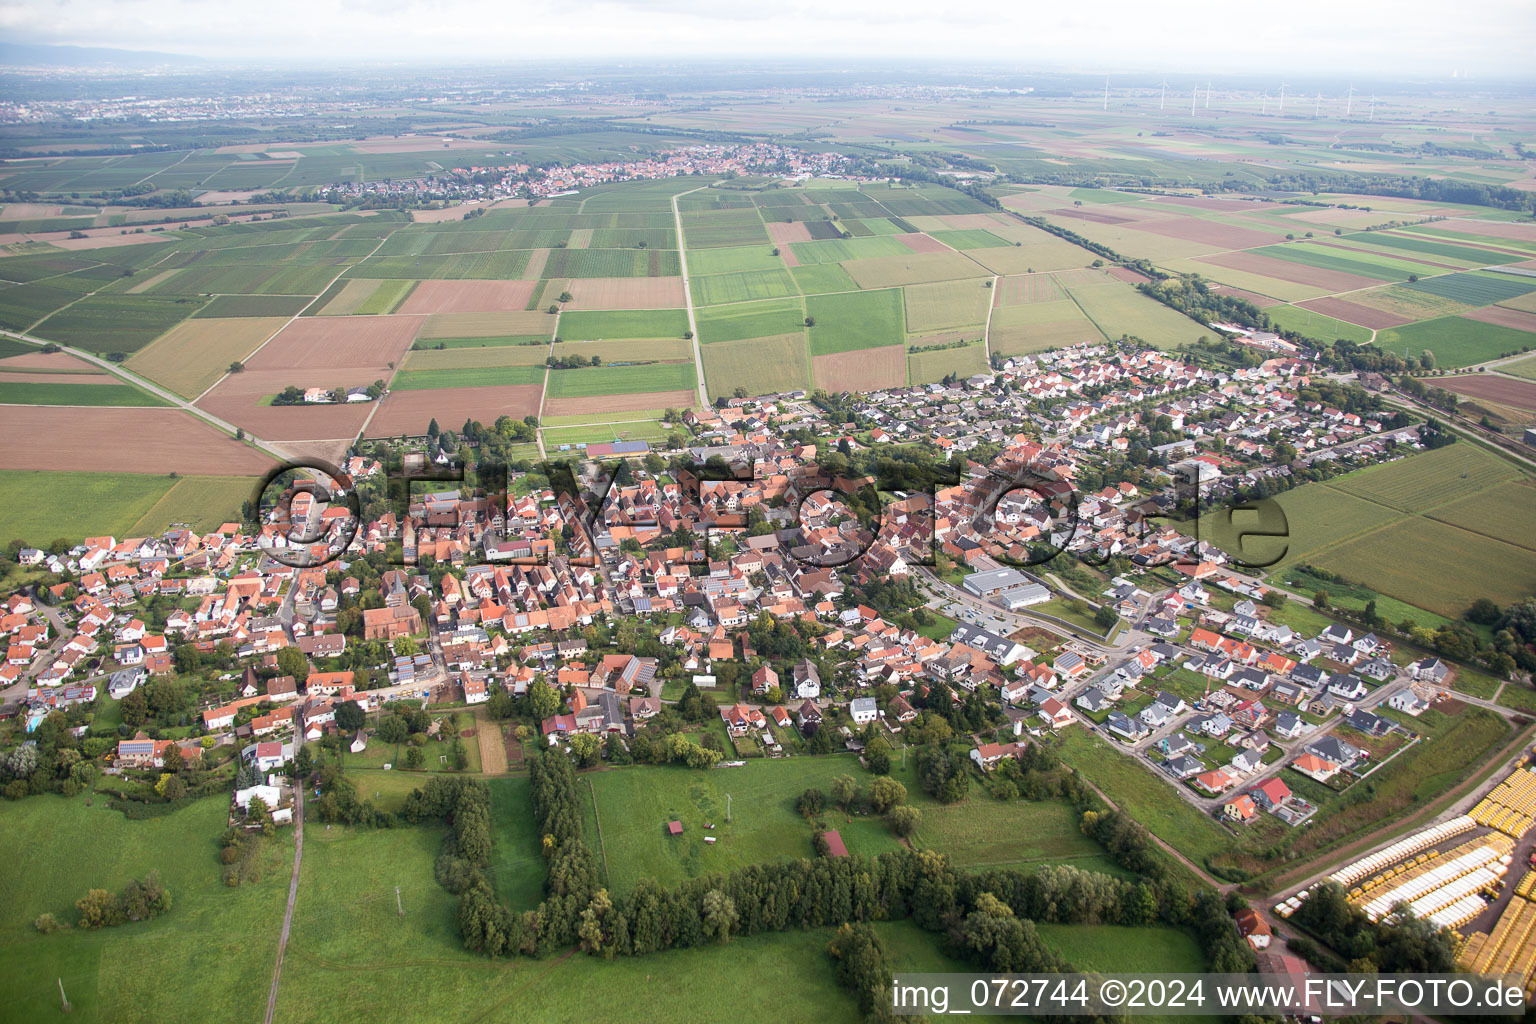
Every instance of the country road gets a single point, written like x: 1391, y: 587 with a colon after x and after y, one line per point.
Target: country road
x: 143, y: 383
x: 293, y: 895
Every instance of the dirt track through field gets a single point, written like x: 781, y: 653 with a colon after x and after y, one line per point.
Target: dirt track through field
x: 493, y: 751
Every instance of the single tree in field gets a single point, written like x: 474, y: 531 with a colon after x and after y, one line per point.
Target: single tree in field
x: 719, y: 914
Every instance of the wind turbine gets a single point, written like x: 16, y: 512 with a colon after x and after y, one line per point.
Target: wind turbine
x: 1207, y: 95
x: 1106, y: 92
x: 1281, y: 110
x: 1373, y: 106
x: 1192, y: 97
x: 1349, y: 104
x: 1163, y: 98
x: 1318, y: 107
x: 1266, y: 101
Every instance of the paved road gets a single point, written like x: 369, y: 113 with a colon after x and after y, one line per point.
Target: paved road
x: 293, y: 895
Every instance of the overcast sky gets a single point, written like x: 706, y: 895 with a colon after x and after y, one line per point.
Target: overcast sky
x: 1408, y: 39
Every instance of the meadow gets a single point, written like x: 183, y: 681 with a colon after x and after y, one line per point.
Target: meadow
x: 585, y: 325
x: 469, y: 376
x: 215, y: 947
x: 619, y: 380
x: 633, y: 807
x: 87, y: 392
x: 1316, y: 325
x: 1455, y: 341
x: 37, y: 507
x: 857, y: 320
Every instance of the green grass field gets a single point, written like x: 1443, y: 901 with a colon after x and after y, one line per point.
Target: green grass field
x: 1316, y: 325
x: 37, y: 507
x: 1116, y: 308
x: 24, y: 393
x: 751, y: 320
x: 733, y: 260
x: 822, y: 277
x: 836, y: 250
x: 466, y: 377
x: 633, y: 807
x: 621, y: 380
x: 1478, y: 288
x: 982, y: 832
x: 854, y: 321
x: 1148, y: 799
x: 1521, y: 368
x: 592, y: 325
x: 743, y: 286
x: 215, y: 947
x: 1455, y: 341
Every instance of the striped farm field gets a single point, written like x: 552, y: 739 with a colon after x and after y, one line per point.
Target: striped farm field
x: 750, y: 320
x: 467, y: 377
x: 503, y: 265
x: 195, y: 353
x: 592, y: 325
x: 1430, y: 247
x: 232, y: 306
x: 620, y: 380
x: 1478, y: 288
x: 1504, y: 513
x: 913, y: 268
x: 1455, y: 341
x: 1316, y: 325
x: 763, y: 366
x: 857, y: 320
x: 1026, y: 288
x: 1427, y: 479
x: 116, y: 323
x: 931, y: 307
x: 871, y: 369
x: 744, y: 286
x: 612, y: 263
x: 820, y: 278
x: 465, y: 358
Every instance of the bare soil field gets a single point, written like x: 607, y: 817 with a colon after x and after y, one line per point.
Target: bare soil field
x: 123, y: 440
x: 1297, y: 273
x: 639, y: 402
x: 535, y: 268
x: 922, y: 243
x: 40, y: 360
x: 238, y: 401
x: 325, y: 343
x: 1518, y: 393
x: 864, y: 369
x: 194, y: 354
x: 56, y: 378
x: 1193, y: 229
x: 626, y: 292
x: 104, y: 241
x: 1128, y: 275
x: 446, y: 214
x: 468, y: 297
x: 1353, y: 312
x: 409, y: 412
x: 486, y: 325
x: 793, y: 231
x: 1503, y: 317
x: 1096, y: 216
x: 788, y: 256
x: 332, y: 451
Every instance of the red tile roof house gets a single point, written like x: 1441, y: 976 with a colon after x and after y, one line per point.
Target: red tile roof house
x: 1272, y: 794
x: 1253, y: 928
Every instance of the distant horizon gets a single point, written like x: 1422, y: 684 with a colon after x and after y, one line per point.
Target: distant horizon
x: 56, y: 59
x: 1415, y: 41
